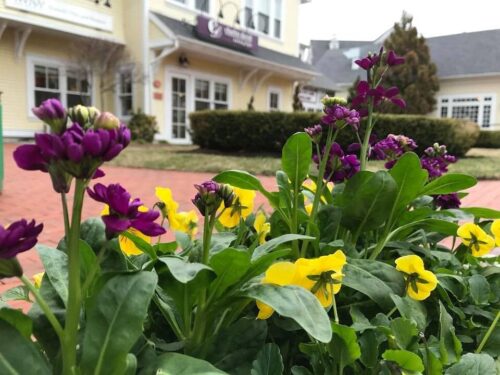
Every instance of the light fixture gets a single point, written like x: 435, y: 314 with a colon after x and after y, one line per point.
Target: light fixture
x: 183, y: 60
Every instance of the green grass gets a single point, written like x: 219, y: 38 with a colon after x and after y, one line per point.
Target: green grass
x: 480, y: 162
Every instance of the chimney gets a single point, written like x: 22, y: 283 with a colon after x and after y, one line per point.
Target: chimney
x: 334, y: 43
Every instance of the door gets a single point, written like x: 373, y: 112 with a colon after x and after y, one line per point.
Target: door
x: 177, y: 108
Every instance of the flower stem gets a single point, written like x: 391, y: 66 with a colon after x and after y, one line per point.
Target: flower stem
x: 366, y: 141
x: 335, y: 312
x: 488, y: 333
x: 393, y: 310
x: 74, y: 287
x: 45, y: 308
x: 64, y: 203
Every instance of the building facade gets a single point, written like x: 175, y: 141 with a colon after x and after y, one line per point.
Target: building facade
x: 164, y: 57
x: 468, y: 68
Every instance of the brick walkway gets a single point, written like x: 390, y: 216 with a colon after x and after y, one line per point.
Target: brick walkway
x: 29, y: 195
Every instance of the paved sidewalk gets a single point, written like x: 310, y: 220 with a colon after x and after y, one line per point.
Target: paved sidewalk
x: 30, y: 195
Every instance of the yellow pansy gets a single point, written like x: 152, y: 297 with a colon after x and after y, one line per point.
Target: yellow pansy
x: 261, y: 227
x: 281, y: 273
x: 476, y: 239
x: 240, y: 209
x: 171, y: 206
x: 105, y: 209
x: 322, y: 276
x: 128, y: 246
x: 495, y: 229
x: 419, y: 282
x: 309, y: 208
x: 37, y: 279
x: 311, y: 185
x: 186, y: 222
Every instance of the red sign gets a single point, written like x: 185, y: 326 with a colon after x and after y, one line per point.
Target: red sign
x: 158, y: 96
x: 157, y: 83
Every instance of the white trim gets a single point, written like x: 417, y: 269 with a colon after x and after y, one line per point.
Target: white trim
x: 481, y: 103
x: 146, y: 69
x: 190, y: 6
x: 159, y: 23
x: 190, y: 77
x: 472, y: 75
x: 63, y: 66
x: 279, y: 92
x: 271, y: 16
x: 3, y: 26
x: 20, y: 38
x: 18, y: 133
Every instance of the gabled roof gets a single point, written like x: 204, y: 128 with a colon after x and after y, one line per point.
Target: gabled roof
x: 457, y: 55
x: 186, y: 30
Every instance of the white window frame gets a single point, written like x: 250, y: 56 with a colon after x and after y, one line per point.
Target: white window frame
x: 63, y: 67
x: 481, y: 103
x: 279, y: 92
x: 119, y: 94
x: 190, y: 6
x: 272, y: 15
x: 191, y: 76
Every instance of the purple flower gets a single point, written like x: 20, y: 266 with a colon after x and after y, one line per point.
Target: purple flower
x: 338, y: 113
x: 18, y: 237
x: 314, y: 132
x: 393, y: 59
x: 52, y: 112
x: 369, y: 61
x: 364, y: 93
x: 392, y: 148
x: 208, y: 198
x: 436, y: 160
x: 339, y: 167
x: 125, y: 213
x: 446, y: 201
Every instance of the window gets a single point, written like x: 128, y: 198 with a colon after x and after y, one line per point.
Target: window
x: 265, y: 16
x: 200, y: 5
x: 477, y: 108
x: 179, y: 108
x: 210, y: 95
x: 124, y: 91
x: 274, y: 99
x: 51, y: 79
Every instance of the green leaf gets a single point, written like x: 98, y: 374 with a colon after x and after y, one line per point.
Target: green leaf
x: 165, y: 247
x: 180, y: 364
x: 275, y: 242
x: 55, y: 263
x: 449, y: 183
x: 268, y: 361
x: 10, y: 268
x: 183, y: 271
x: 449, y: 345
x: 296, y: 157
x: 261, y: 264
x: 230, y: 265
x: 19, y: 355
x: 473, y: 364
x: 410, y: 178
x: 368, y: 344
x: 406, y: 360
x: 412, y: 310
x: 296, y: 303
x: 18, y: 320
x: 244, y: 180
x: 479, y: 289
x: 17, y: 293
x: 367, y: 200
x: 366, y: 277
x: 115, y: 322
x: 300, y: 370
x: 344, y: 347
x: 433, y: 365
x: 480, y: 212
x: 493, y: 342
x: 405, y: 332
x: 89, y: 264
x: 142, y: 245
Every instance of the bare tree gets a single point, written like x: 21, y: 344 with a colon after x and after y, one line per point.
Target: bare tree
x: 101, y: 59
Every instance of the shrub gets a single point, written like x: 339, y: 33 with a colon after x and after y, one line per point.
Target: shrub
x: 268, y: 131
x: 488, y: 139
x: 142, y: 127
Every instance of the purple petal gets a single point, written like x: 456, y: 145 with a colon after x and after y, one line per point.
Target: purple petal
x: 399, y: 102
x: 115, y: 224
x: 75, y: 152
x: 112, y: 152
x: 118, y: 199
x: 98, y: 174
x: 92, y: 143
x: 148, y: 228
x: 29, y: 157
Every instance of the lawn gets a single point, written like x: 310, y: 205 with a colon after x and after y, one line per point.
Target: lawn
x: 480, y: 162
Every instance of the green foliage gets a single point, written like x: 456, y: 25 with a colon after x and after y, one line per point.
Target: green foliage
x: 297, y: 103
x: 417, y: 78
x: 488, y: 139
x: 268, y: 131
x: 142, y: 127
x: 268, y: 361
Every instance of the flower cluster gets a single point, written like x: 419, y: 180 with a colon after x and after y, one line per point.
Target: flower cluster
x: 392, y: 148
x: 419, y: 281
x: 336, y: 115
x: 322, y: 276
x: 447, y: 201
x: 185, y: 222
x: 211, y: 195
x: 18, y: 237
x: 77, y: 151
x: 124, y: 213
x: 314, y: 132
x: 477, y: 240
x: 339, y: 166
x: 436, y: 160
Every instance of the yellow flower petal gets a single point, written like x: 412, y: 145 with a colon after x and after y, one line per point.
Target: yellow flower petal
x: 242, y: 207
x: 128, y: 247
x: 416, y: 276
x: 261, y: 227
x: 410, y: 264
x: 37, y: 279
x: 495, y: 229
x: 186, y: 222
x: 474, y: 237
x: 309, y: 208
x: 280, y: 273
x: 265, y: 311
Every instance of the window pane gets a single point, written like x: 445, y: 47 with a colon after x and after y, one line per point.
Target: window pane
x: 221, y: 92
x: 40, y: 96
x: 75, y: 99
x: 126, y: 83
x: 40, y: 76
x: 277, y: 28
x: 486, y: 116
x: 201, y: 106
x: 277, y: 9
x: 53, y: 78
x: 263, y: 21
x: 444, y: 111
x: 202, y: 5
x: 273, y: 100
x: 202, y: 89
x: 178, y: 108
x: 126, y: 105
x: 466, y: 112
x: 249, y: 18
x: 72, y: 82
x: 220, y: 106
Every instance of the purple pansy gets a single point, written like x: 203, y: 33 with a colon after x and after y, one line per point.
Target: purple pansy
x: 447, y: 201
x: 18, y: 237
x: 124, y: 213
x: 339, y: 167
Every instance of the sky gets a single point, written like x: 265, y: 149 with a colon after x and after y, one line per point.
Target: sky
x: 368, y: 19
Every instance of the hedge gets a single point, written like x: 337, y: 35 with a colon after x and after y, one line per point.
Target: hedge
x: 488, y: 139
x: 253, y: 131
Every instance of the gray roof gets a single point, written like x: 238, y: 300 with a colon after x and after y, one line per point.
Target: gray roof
x: 474, y: 53
x: 187, y: 30
x: 319, y: 47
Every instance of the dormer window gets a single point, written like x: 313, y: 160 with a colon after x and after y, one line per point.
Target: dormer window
x: 264, y: 16
x: 199, y: 5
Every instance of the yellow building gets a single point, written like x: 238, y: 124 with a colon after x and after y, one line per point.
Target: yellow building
x: 181, y: 56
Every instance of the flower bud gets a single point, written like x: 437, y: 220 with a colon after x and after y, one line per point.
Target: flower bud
x: 329, y: 101
x: 314, y: 132
x: 107, y: 120
x: 227, y: 194
x: 208, y: 198
x: 52, y: 112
